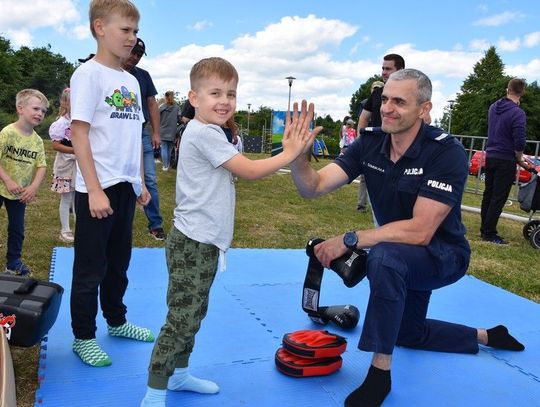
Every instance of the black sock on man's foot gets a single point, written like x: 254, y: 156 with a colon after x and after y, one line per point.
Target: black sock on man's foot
x: 373, y: 391
x: 499, y: 337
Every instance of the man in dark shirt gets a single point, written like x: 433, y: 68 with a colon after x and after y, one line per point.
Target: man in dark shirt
x: 151, y: 115
x: 505, y: 144
x: 371, y: 113
x: 415, y: 176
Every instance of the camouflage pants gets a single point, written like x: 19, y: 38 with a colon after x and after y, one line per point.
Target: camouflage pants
x: 192, y: 268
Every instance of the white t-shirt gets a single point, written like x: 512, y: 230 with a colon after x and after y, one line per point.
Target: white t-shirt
x: 205, y: 193
x: 110, y: 101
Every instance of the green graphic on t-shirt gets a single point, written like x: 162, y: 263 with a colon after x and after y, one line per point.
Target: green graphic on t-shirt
x: 123, y: 100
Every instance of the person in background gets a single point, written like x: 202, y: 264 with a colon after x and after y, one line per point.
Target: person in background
x: 65, y: 166
x: 169, y: 116
x: 349, y: 134
x: 231, y: 131
x: 188, y: 112
x: 505, y: 145
x: 22, y: 169
x: 361, y: 206
x: 343, y: 133
x: 150, y: 110
x: 371, y: 112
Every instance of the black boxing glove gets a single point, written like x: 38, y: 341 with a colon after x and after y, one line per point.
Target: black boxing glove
x: 344, y: 316
x: 351, y: 267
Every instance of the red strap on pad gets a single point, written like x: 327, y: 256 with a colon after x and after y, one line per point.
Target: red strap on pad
x: 313, y: 343
x: 296, y: 366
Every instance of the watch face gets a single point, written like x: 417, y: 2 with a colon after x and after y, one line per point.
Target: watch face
x: 350, y: 239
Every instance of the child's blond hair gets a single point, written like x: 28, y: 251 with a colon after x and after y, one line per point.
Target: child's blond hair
x: 64, y: 102
x: 24, y: 95
x: 212, y: 67
x: 103, y: 8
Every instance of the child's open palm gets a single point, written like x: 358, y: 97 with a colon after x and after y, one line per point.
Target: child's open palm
x: 297, y: 137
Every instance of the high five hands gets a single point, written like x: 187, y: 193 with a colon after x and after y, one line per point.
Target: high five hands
x: 297, y: 137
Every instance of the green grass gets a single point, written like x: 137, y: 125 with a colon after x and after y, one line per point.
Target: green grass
x: 270, y: 214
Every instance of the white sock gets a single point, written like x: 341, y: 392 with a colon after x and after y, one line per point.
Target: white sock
x: 154, y: 398
x: 182, y: 380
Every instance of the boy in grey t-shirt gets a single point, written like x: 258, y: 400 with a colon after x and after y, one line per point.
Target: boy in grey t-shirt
x: 204, y: 217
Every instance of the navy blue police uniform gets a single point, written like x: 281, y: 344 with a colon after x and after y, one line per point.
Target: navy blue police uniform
x: 402, y: 276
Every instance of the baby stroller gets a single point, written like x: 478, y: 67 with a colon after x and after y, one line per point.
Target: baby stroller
x: 529, y: 201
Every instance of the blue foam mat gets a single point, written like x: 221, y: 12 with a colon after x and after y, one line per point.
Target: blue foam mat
x: 252, y: 305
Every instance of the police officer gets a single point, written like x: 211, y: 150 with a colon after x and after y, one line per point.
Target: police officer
x: 415, y: 176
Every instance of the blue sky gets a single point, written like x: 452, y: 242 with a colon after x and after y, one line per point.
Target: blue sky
x: 330, y: 47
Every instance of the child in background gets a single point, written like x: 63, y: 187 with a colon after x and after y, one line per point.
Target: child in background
x: 65, y: 168
x: 204, y: 218
x: 22, y: 169
x: 231, y: 131
x: 349, y: 134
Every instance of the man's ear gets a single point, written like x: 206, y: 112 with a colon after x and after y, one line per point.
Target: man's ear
x: 426, y: 108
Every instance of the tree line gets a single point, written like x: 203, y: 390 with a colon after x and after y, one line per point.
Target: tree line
x: 36, y: 68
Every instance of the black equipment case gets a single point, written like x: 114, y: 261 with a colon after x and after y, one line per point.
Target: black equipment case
x: 28, y: 308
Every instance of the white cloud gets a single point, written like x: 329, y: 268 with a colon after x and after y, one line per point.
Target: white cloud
x: 200, y: 25
x: 20, y: 37
x: 499, y: 19
x: 479, y: 45
x: 482, y: 7
x: 532, y: 39
x: 263, y: 63
x: 509, y: 45
x: 81, y: 31
x: 20, y: 18
x: 296, y: 37
x: 435, y: 62
x: 529, y: 71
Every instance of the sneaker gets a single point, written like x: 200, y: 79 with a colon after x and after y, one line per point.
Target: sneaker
x: 19, y: 270
x: 67, y: 236
x: 165, y: 169
x: 494, y: 239
x: 157, y: 233
x: 361, y: 209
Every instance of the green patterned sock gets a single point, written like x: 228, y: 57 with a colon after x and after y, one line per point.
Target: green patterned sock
x: 90, y: 352
x: 128, y: 330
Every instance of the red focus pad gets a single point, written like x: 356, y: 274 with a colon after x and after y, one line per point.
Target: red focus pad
x: 296, y: 366
x: 312, y: 343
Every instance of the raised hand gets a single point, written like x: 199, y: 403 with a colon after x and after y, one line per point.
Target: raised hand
x: 297, y: 138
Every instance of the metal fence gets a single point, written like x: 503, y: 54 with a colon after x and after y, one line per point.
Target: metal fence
x: 476, y: 143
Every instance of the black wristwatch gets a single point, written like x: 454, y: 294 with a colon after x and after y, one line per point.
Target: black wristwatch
x: 350, y: 240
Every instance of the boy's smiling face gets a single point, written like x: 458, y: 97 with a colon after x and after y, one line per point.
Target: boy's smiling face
x: 214, y: 100
x: 33, y: 112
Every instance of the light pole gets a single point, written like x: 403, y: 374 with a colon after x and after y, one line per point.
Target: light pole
x: 290, y: 79
x: 451, y: 101
x: 249, y: 110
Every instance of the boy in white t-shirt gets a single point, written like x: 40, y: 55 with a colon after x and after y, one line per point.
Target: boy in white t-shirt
x: 204, y: 218
x: 106, y: 135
